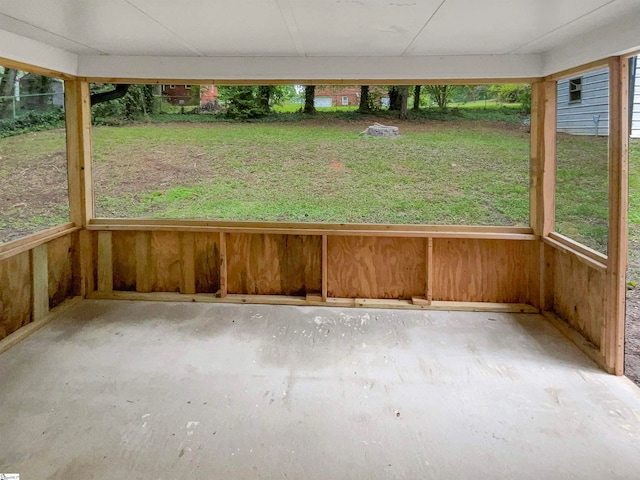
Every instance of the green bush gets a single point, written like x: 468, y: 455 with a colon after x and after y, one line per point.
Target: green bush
x: 32, y: 121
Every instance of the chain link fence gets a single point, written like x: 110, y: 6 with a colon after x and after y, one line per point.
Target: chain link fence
x: 13, y: 107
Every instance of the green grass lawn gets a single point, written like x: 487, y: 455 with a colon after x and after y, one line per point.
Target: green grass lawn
x: 320, y: 170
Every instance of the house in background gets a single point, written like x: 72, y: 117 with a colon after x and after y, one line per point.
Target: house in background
x: 184, y: 95
x: 39, y: 93
x: 347, y: 96
x: 583, y: 103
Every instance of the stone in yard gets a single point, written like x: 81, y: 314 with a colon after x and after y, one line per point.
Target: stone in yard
x: 377, y: 130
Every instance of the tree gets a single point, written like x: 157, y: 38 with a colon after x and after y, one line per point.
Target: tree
x: 441, y: 94
x: 404, y: 98
x: 264, y: 97
x: 309, y: 99
x: 365, y: 100
x: 416, y: 97
x: 7, y: 81
x: 394, y: 98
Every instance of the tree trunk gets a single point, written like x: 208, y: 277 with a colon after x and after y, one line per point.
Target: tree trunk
x: 309, y: 98
x: 7, y: 81
x: 416, y: 97
x: 404, y: 98
x: 365, y: 102
x: 394, y: 98
x: 119, y: 92
x: 264, y: 97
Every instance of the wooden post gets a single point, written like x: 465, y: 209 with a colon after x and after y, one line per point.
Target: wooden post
x: 40, y: 281
x: 77, y: 103
x: 613, y: 346
x: 143, y: 262
x: 223, y: 265
x: 188, y: 263
x: 429, y: 272
x: 543, y: 178
x: 105, y: 262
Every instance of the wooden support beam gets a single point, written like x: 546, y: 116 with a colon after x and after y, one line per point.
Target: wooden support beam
x: 78, y: 123
x: 223, y: 265
x: 40, y: 282
x: 543, y: 179
x: 429, y: 272
x: 105, y: 262
x: 613, y: 345
x: 87, y: 278
x: 325, y: 263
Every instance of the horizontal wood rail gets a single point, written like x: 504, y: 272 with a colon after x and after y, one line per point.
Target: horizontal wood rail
x: 580, y: 255
x: 15, y: 247
x: 360, y: 230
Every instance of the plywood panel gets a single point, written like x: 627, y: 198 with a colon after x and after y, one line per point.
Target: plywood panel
x: 579, y: 296
x: 124, y: 260
x: 370, y: 267
x: 60, y: 254
x: 499, y: 271
x: 15, y: 293
x: 273, y: 264
x: 207, y: 262
x: 166, y: 264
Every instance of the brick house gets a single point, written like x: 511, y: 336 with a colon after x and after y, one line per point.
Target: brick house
x: 182, y: 94
x: 337, y: 96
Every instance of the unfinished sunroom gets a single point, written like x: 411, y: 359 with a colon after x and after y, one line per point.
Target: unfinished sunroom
x: 194, y: 288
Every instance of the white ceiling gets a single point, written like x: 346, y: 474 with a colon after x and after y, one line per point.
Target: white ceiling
x: 172, y: 29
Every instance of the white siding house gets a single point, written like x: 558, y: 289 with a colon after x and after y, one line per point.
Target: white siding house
x: 583, y: 103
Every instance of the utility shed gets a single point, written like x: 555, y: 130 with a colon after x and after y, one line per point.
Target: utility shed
x: 155, y: 387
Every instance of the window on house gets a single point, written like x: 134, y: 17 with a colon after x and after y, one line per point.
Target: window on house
x: 575, y: 90
x: 188, y: 87
x: 172, y: 86
x: 345, y: 100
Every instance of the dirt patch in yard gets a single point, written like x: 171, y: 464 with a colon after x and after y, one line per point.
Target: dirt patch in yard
x: 632, y: 336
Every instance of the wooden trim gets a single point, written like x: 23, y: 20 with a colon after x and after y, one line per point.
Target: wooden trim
x: 40, y: 282
x: 613, y: 345
x: 500, y: 233
x: 340, y: 302
x: 27, y: 67
x: 325, y: 263
x: 585, y: 346
x: 105, y: 262
x: 316, y: 81
x: 579, y: 70
x: 581, y: 257
x: 578, y: 247
x: 143, y: 223
x: 224, y: 284
x: 16, y: 337
x: 32, y: 241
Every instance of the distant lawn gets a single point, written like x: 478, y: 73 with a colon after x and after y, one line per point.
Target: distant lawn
x: 463, y: 171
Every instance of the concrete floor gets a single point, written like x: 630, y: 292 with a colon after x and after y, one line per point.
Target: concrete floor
x: 143, y: 390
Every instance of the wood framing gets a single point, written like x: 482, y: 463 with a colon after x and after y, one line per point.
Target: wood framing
x: 618, y: 213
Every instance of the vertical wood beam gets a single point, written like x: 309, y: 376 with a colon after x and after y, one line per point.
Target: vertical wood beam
x: 86, y: 264
x: 223, y: 265
x: 542, y: 187
x: 325, y: 263
x: 77, y: 103
x: 40, y: 281
x: 105, y: 262
x: 613, y: 347
x: 429, y: 272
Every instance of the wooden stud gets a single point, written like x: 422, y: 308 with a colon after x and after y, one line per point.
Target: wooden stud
x: 143, y: 262
x: 429, y: 271
x: 223, y: 265
x: 40, y: 282
x: 325, y: 254
x: 87, y: 278
x: 188, y: 263
x: 613, y: 346
x: 105, y: 262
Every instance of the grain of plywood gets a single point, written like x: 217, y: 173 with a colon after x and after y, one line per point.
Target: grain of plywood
x: 61, y: 253
x: 124, y: 261
x: 207, y: 262
x: 579, y: 296
x: 15, y: 293
x: 497, y: 271
x: 166, y: 262
x: 273, y: 264
x: 370, y: 267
